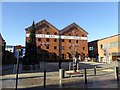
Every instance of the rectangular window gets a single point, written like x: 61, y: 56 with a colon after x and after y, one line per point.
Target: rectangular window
x: 47, y: 47
x: 83, y: 41
x: 114, y: 44
x: 69, y: 40
x: 62, y: 40
x: 62, y: 47
x: 39, y: 39
x: 101, y: 46
x: 47, y: 39
x: 76, y: 41
x: 55, y: 47
x: 83, y: 48
x: 55, y: 40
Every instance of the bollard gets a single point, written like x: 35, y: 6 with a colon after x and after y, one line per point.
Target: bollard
x: 60, y: 83
x: 61, y: 73
x: 44, y: 85
x: 61, y: 76
x: 95, y: 70
x: 85, y: 76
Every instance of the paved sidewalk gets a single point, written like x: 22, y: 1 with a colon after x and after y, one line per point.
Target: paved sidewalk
x: 34, y: 79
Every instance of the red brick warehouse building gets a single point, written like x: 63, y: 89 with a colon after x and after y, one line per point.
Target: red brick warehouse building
x: 54, y: 44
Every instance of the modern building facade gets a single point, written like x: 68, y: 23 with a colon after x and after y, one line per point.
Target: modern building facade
x: 54, y: 44
x: 109, y: 48
x: 93, y: 49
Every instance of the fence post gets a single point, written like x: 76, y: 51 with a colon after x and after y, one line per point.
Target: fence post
x: 85, y: 76
x: 44, y: 85
x: 95, y: 70
x: 69, y: 65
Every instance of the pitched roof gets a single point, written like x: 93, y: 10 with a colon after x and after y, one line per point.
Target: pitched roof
x: 60, y: 31
x: 42, y: 22
x: 70, y: 26
x: 110, y: 36
x: 1, y: 37
x: 94, y: 41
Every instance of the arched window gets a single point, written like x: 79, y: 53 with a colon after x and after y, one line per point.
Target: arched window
x: 47, y: 26
x: 48, y: 33
x: 55, y: 33
x: 69, y: 40
x: 76, y: 34
x: 83, y: 35
x: 39, y: 32
x: 76, y: 41
x: 69, y: 34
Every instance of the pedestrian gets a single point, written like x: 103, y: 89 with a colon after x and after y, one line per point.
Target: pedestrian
x: 75, y: 64
x: 88, y: 58
x: 79, y: 58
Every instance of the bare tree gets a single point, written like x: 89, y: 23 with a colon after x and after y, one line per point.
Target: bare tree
x: 106, y: 54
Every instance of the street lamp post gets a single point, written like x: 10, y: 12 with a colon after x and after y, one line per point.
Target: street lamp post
x: 18, y: 49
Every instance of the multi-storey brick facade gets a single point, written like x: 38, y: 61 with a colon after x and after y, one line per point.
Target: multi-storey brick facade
x: 54, y: 44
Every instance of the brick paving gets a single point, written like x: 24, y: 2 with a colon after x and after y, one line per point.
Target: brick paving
x: 103, y: 79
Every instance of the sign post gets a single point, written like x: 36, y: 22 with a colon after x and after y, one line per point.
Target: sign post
x: 18, y: 47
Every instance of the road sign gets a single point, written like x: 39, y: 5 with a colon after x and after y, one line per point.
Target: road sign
x: 91, y: 48
x: 18, y: 47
